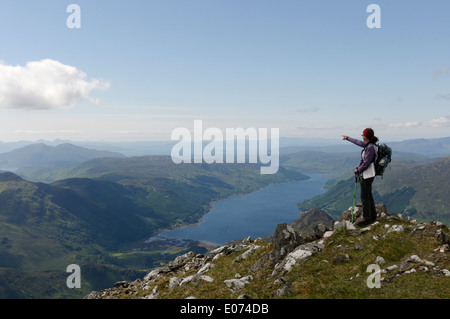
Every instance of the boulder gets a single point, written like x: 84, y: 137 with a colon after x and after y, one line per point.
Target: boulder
x: 308, y: 223
x: 204, y: 269
x: 396, y: 228
x: 300, y: 254
x: 202, y: 279
x: 263, y: 262
x: 238, y: 284
x: 381, y: 209
x: 343, y: 224
x: 320, y: 230
x: 246, y: 254
x: 285, y: 240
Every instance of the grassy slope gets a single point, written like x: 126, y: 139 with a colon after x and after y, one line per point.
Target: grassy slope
x: 320, y: 277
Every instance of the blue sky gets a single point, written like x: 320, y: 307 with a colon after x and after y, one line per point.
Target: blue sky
x: 136, y: 70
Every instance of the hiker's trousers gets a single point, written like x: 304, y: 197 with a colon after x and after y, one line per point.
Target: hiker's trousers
x: 369, y: 211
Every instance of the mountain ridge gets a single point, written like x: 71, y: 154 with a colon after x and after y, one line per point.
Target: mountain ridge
x: 328, y: 264
x: 43, y: 155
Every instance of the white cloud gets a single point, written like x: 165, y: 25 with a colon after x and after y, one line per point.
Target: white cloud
x: 437, y: 122
x: 45, y: 84
x: 404, y: 124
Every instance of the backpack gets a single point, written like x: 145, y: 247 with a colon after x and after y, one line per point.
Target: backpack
x: 383, y: 160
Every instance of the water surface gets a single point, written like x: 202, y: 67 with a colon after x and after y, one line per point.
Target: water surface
x: 255, y: 214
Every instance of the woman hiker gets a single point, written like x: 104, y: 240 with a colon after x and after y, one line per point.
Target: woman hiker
x: 366, y: 172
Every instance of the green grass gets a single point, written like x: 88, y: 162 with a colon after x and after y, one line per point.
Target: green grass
x: 321, y: 278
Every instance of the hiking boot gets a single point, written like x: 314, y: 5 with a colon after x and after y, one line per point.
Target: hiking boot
x: 362, y: 222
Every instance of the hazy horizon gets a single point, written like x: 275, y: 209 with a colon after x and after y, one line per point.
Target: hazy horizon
x: 137, y: 72
x: 290, y: 141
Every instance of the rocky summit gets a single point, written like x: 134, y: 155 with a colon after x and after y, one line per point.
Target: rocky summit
x: 313, y: 257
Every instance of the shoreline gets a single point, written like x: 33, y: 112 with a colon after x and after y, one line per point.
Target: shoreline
x: 212, y: 203
x: 160, y: 241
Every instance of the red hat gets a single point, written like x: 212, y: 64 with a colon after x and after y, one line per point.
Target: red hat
x: 368, y: 133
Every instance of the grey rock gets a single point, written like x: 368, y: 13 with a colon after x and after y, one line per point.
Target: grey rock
x: 202, y: 279
x: 122, y: 284
x: 343, y: 224
x: 381, y: 209
x: 390, y: 268
x: 328, y: 234
x: 204, y: 269
x: 300, y: 254
x: 237, y: 284
x: 319, y: 230
x: 396, y: 228
x: 154, y: 294
x: 308, y: 224
x: 174, y: 282
x: 379, y: 260
x: 246, y: 254
x: 263, y: 262
x: 284, y: 291
x: 186, y: 280
x: 285, y: 240
x: 347, y: 215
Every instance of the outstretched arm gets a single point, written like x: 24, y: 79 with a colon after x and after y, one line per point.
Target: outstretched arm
x: 354, y: 141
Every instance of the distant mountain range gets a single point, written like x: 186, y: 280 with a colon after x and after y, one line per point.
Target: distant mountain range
x: 42, y: 162
x: 43, y: 155
x: 438, y: 147
x: 432, y: 147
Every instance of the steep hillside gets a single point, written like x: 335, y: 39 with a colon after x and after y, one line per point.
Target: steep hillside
x: 42, y: 225
x: 413, y: 261
x: 421, y: 191
x: 45, y: 227
x: 181, y: 193
x: 51, y: 284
